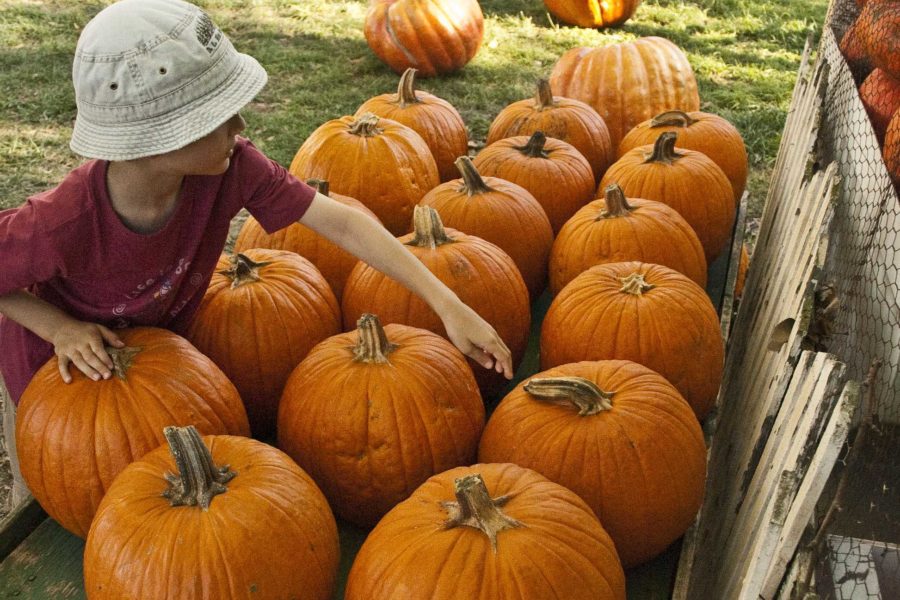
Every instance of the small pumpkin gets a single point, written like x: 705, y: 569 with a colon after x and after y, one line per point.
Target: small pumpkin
x: 501, y: 531
x: 617, y: 229
x: 880, y: 30
x: 592, y: 13
x: 880, y: 95
x: 433, y: 36
x: 237, y: 519
x: 564, y: 119
x: 743, y: 267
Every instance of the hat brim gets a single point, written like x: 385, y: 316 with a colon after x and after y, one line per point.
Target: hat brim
x: 175, y: 129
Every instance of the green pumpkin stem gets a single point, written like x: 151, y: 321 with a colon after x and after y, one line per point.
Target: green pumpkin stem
x: 475, y: 508
x: 122, y: 359
x: 406, y: 89
x: 672, y: 118
x: 583, y: 393
x: 635, y: 285
x: 321, y: 185
x: 543, y: 97
x: 664, y: 149
x: 473, y: 183
x: 198, y: 479
x: 243, y: 270
x: 366, y: 125
x: 535, y: 146
x: 372, y: 345
x: 428, y: 229
x: 616, y: 203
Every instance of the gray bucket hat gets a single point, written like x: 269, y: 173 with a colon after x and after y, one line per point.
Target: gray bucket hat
x: 152, y: 76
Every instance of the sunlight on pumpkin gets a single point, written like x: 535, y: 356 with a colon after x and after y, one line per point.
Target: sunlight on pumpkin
x: 453, y: 13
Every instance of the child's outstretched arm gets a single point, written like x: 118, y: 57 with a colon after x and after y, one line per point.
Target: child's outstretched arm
x: 368, y: 240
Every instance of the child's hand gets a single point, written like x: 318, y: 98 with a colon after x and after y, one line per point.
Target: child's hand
x: 82, y: 344
x: 477, y: 339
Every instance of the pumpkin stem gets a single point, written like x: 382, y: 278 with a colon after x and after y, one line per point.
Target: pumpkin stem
x: 616, y: 203
x: 535, y: 146
x: 473, y: 183
x: 429, y: 230
x: 475, y: 508
x: 198, y: 479
x: 321, y: 185
x: 634, y: 284
x: 543, y: 97
x: 243, y: 270
x: 122, y: 358
x: 664, y: 149
x: 587, y: 397
x: 372, y: 346
x: 672, y: 118
x: 366, y: 125
x: 406, y: 90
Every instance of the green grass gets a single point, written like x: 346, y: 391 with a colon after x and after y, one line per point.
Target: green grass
x: 745, y: 54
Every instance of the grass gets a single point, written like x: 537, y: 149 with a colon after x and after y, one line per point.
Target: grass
x: 745, y: 54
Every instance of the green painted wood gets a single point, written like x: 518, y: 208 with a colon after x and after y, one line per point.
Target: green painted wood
x: 46, y: 565
x: 19, y: 524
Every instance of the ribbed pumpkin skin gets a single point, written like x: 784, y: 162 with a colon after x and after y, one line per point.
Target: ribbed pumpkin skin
x: 433, y: 36
x: 640, y: 466
x: 651, y: 232
x: 704, y: 132
x: 75, y: 438
x: 564, y: 119
x: 672, y: 329
x: 370, y: 433
x: 389, y: 172
x: 629, y: 82
x: 880, y: 29
x: 271, y: 535
x: 592, y: 13
x: 880, y: 94
x: 562, y: 182
x: 258, y: 332
x: 562, y: 552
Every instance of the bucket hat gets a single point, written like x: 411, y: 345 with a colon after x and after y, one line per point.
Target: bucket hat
x: 152, y: 76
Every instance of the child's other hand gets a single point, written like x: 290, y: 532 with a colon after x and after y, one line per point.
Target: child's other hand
x: 82, y: 344
x: 477, y: 339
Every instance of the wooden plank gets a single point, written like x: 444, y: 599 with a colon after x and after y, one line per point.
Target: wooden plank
x: 18, y: 525
x: 46, y: 565
x: 734, y: 264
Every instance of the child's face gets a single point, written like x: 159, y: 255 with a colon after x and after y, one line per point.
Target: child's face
x: 210, y: 155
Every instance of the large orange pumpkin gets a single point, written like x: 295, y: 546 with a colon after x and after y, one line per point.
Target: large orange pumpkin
x: 649, y: 314
x: 237, y: 520
x: 372, y: 414
x: 628, y: 82
x: 880, y: 95
x: 435, y: 119
x: 262, y: 313
x: 75, y: 438
x: 565, y: 119
x: 688, y: 181
x: 382, y: 163
x: 333, y: 262
x: 592, y: 13
x: 618, y: 435
x: 554, y: 171
x: 487, y: 532
x: 481, y: 274
x: 433, y: 36
x: 617, y: 229
x: 499, y: 212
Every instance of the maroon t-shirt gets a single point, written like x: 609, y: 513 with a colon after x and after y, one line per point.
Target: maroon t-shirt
x: 69, y: 247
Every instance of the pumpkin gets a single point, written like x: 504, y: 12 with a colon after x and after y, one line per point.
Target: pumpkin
x: 372, y: 414
x: 880, y: 30
x: 565, y: 119
x: 75, y: 438
x: 618, y: 435
x: 482, y: 275
x: 552, y: 170
x: 238, y: 519
x: 649, y: 314
x: 486, y: 532
x: 433, y: 36
x: 891, y: 149
x: 499, y: 212
x: 617, y: 229
x: 433, y: 118
x: 880, y: 95
x: 743, y: 266
x: 330, y: 259
x: 688, y: 181
x: 592, y: 13
x: 853, y: 47
x: 262, y: 313
x: 703, y: 132
x: 628, y: 82
x: 385, y: 165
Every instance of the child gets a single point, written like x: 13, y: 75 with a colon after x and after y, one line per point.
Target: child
x: 132, y: 237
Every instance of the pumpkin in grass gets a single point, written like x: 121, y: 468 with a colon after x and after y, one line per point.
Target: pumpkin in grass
x: 628, y: 82
x: 486, y: 532
x: 880, y: 95
x: 433, y: 36
x: 262, y: 313
x: 482, y: 275
x: 238, y: 519
x: 688, y: 181
x: 75, y: 438
x: 880, y: 30
x: 373, y: 413
x: 617, y: 229
x: 649, y: 314
x: 618, y: 435
x: 592, y: 13
x: 433, y: 118
x: 331, y: 260
x: 552, y: 170
x: 565, y: 119
x: 382, y: 163
x: 499, y: 212
x: 704, y: 132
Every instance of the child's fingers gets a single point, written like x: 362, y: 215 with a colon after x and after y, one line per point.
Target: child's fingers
x: 481, y: 357
x: 88, y: 364
x: 110, y: 337
x: 63, y: 364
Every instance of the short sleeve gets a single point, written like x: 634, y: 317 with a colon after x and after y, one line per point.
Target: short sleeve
x: 27, y: 255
